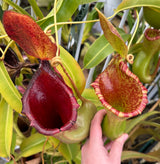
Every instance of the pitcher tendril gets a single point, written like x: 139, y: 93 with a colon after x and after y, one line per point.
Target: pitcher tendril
x: 56, y: 31
x: 64, y: 23
x: 57, y: 60
x: 4, y: 52
x: 3, y: 36
x: 133, y: 35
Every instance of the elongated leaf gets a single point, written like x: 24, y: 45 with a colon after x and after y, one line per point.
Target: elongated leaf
x: 87, y: 1
x: 73, y: 70
x: 92, y: 15
x: 133, y: 155
x: 36, y: 9
x: 128, y: 4
x: 18, y: 8
x: 113, y: 36
x: 99, y: 50
x: 69, y: 151
x: 150, y: 123
x: 13, y: 145
x: 33, y: 145
x: 65, y: 12
x: 133, y: 122
x: 8, y: 90
x: 6, y: 125
x: 154, y: 133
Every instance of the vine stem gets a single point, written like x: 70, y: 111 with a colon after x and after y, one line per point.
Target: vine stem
x: 63, y: 23
x: 44, y: 150
x: 13, y: 159
x: 4, y: 52
x: 55, y: 61
x: 76, y: 22
x: 3, y: 36
x: 129, y: 44
x: 56, y: 31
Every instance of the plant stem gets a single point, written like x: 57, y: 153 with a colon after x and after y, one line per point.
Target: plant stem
x: 63, y: 23
x: 73, y: 84
x: 54, y: 63
x: 134, y: 30
x: 56, y: 32
x: 3, y: 36
x: 3, y: 55
x: 44, y: 150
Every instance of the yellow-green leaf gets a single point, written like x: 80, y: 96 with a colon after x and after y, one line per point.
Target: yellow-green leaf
x: 100, y: 49
x: 73, y: 70
x: 128, y: 4
x: 90, y: 95
x: 69, y: 151
x: 133, y: 122
x: 113, y: 36
x: 18, y: 8
x: 6, y: 128
x: 8, y: 90
x: 152, y: 157
x: 33, y: 144
x: 64, y: 13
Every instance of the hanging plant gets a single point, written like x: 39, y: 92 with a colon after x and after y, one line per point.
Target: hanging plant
x: 48, y: 102
x: 118, y: 89
x: 122, y: 95
x: 147, y: 59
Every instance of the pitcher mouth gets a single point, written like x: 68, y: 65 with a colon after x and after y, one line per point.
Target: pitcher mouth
x: 119, y: 90
x: 48, y: 102
x: 152, y: 34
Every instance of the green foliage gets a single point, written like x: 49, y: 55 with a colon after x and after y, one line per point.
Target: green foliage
x: 99, y: 48
x: 6, y: 122
x: 8, y: 90
x: 151, y: 157
x: 33, y: 144
x: 128, y: 4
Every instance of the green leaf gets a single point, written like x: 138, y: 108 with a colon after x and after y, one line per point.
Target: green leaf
x: 129, y: 4
x: 78, y: 159
x: 73, y: 69
x: 10, y: 162
x: 13, y: 145
x: 6, y: 128
x: 65, y: 12
x: 89, y: 94
x: 150, y: 123
x: 87, y: 1
x: 135, y: 48
x: 92, y: 15
x: 8, y: 90
x: 33, y: 144
x: 113, y: 36
x: 133, y: 122
x: 152, y: 157
x: 99, y: 50
x: 69, y: 151
x: 18, y: 8
x: 36, y: 9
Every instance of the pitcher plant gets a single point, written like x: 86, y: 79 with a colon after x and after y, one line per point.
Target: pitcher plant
x: 118, y: 89
x: 48, y: 102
